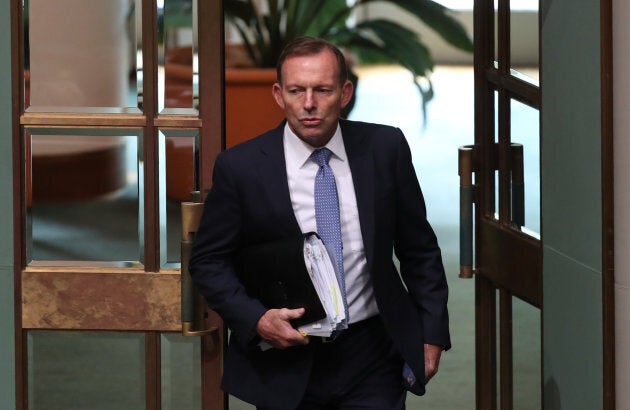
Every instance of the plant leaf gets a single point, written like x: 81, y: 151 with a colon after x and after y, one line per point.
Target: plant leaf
x: 437, y: 17
x: 395, y: 44
x: 333, y: 14
x: 307, y: 12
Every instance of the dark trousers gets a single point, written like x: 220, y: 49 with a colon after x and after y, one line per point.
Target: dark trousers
x: 358, y: 370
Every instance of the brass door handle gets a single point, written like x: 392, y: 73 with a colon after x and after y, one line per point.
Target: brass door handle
x: 192, y: 312
x: 466, y: 200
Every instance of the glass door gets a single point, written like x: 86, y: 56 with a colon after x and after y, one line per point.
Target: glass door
x: 500, y: 185
x: 120, y: 119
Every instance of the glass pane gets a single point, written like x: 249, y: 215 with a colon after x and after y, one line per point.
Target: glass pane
x: 80, y: 55
x: 524, y: 40
x: 178, y: 90
x: 181, y: 372
x: 525, y: 130
x: 86, y: 370
x: 84, y: 196
x: 178, y: 159
x: 527, y: 359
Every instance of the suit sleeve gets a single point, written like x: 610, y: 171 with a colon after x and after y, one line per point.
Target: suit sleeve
x: 211, y: 266
x: 417, y: 249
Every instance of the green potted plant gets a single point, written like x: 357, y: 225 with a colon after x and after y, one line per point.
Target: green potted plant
x: 266, y: 26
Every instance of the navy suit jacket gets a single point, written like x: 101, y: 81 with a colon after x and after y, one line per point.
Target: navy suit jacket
x: 249, y: 203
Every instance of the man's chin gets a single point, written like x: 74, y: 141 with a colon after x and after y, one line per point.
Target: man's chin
x: 314, y: 139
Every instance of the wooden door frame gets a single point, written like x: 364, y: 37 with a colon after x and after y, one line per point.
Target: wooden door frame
x: 212, y: 113
x: 486, y: 311
x: 507, y: 261
x: 209, y: 119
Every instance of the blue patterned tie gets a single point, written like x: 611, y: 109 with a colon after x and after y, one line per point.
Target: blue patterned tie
x: 327, y: 214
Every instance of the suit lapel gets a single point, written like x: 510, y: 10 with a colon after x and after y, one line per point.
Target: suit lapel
x: 271, y: 166
x: 361, y: 167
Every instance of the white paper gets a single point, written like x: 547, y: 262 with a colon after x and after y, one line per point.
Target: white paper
x: 322, y: 272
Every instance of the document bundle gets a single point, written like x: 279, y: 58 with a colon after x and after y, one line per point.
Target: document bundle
x: 295, y: 273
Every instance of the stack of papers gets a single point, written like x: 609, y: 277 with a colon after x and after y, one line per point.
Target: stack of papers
x: 322, y: 271
x: 296, y: 272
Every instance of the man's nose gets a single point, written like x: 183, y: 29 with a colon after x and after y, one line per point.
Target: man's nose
x: 309, y: 100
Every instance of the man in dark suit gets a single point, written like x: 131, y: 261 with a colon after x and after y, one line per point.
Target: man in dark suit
x: 263, y: 191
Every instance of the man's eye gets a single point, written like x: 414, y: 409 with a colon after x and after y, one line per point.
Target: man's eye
x: 294, y: 90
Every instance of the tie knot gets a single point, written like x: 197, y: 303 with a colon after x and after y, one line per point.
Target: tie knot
x: 321, y: 156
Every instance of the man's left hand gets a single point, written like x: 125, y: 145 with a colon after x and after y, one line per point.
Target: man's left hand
x: 432, y: 354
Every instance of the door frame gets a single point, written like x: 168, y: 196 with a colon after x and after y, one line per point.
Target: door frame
x: 508, y: 262
x: 210, y: 118
x: 485, y: 291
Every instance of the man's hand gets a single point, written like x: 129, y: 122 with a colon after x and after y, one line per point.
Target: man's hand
x: 274, y: 327
x: 432, y: 355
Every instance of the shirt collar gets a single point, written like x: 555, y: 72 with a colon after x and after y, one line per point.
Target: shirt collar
x: 302, y: 151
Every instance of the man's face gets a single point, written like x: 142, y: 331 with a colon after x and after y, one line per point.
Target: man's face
x: 312, y: 96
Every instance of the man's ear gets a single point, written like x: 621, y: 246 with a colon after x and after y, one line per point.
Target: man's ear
x: 346, y: 93
x: 277, y: 94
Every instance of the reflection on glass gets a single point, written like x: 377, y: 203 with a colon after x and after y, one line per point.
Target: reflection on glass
x: 178, y: 90
x: 527, y: 74
x: 524, y: 41
x: 83, y: 196
x: 181, y: 372
x: 79, y: 56
x: 525, y: 130
x: 178, y: 178
x: 86, y: 370
x: 527, y: 359
x: 135, y: 23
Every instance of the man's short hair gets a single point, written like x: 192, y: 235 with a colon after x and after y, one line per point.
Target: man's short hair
x: 308, y: 46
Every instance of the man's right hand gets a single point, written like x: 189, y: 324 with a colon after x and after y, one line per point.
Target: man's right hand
x: 274, y: 328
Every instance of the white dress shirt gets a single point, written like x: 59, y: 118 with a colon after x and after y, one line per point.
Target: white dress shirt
x: 301, y: 173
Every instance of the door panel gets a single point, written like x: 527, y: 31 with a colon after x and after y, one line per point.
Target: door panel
x: 117, y: 126
x: 507, y: 266
x: 527, y: 356
x: 115, y: 380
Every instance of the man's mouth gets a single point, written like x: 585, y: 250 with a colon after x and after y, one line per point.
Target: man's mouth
x: 311, y: 121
